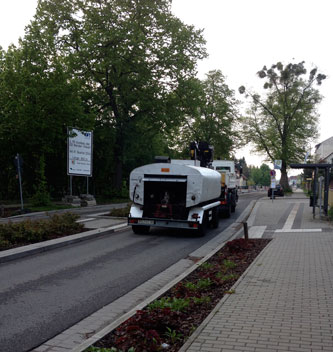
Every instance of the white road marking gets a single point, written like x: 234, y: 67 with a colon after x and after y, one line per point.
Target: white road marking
x: 298, y: 230
x: 101, y: 214
x: 289, y: 223
x: 256, y: 231
x: 84, y: 220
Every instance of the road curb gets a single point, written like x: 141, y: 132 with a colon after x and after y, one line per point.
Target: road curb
x: 24, y: 251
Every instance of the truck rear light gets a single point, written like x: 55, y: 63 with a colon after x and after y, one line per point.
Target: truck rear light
x: 133, y: 221
x: 195, y: 216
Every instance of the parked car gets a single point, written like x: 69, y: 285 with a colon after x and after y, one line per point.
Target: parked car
x: 278, y: 191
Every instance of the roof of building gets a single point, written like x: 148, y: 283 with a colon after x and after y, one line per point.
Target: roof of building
x: 319, y: 144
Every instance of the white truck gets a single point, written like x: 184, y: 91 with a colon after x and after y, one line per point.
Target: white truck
x: 174, y: 195
x: 229, y: 194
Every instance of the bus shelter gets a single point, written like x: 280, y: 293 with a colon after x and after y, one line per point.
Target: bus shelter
x: 316, y: 168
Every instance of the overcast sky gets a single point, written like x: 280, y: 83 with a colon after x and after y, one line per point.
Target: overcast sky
x: 242, y: 36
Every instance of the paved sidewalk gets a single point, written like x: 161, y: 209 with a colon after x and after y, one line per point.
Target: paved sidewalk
x: 284, y: 301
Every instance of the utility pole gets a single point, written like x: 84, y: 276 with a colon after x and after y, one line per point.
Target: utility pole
x: 18, y: 162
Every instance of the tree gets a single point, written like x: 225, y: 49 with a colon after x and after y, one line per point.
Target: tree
x: 260, y: 175
x: 130, y: 55
x: 211, y: 115
x: 38, y: 100
x: 284, y: 122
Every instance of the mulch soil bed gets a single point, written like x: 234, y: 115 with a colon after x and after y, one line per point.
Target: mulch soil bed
x: 167, y: 323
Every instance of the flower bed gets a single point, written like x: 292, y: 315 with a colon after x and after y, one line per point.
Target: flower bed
x: 27, y: 232
x: 167, y: 322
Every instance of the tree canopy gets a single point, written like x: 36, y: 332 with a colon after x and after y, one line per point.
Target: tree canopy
x: 119, y: 68
x: 211, y: 115
x: 283, y: 122
x: 130, y: 56
x: 260, y: 175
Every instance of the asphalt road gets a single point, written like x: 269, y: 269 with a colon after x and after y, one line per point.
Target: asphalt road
x: 44, y: 294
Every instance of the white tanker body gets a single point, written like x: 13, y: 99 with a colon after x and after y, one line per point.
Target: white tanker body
x: 174, y: 196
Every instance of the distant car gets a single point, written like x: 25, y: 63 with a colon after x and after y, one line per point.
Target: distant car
x: 278, y: 191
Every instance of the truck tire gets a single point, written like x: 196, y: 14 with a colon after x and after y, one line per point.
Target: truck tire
x: 233, y: 204
x: 215, y: 218
x: 140, y: 229
x: 203, y: 227
x: 227, y: 212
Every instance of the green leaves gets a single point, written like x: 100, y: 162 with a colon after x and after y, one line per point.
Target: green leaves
x: 117, y: 66
x: 175, y: 304
x: 283, y: 122
x: 210, y: 115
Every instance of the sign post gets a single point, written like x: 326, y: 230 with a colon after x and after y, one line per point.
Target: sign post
x: 18, y: 163
x: 273, y: 182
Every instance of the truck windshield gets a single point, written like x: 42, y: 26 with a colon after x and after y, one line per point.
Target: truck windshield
x: 222, y: 168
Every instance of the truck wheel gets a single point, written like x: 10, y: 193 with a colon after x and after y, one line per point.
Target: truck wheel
x: 203, y: 227
x: 215, y: 218
x: 228, y: 211
x: 140, y: 229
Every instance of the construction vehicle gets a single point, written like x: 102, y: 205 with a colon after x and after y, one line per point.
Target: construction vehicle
x: 176, y: 195
x: 229, y: 194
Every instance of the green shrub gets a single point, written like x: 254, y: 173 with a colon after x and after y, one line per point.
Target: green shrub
x: 226, y: 277
x: 206, y: 266
x: 229, y: 264
x: 28, y: 231
x: 121, y: 212
x: 203, y: 283
x: 201, y: 300
x: 173, y: 335
x: 40, y: 198
x: 175, y: 304
x: 190, y: 286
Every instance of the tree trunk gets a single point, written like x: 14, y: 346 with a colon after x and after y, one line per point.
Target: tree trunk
x: 118, y: 158
x: 284, y: 176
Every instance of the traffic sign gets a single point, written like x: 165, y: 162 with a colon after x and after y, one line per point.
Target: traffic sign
x: 273, y: 173
x: 278, y: 164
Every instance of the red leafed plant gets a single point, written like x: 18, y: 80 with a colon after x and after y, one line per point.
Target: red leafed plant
x: 168, y: 321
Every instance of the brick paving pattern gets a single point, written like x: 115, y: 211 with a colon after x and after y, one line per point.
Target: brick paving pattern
x: 284, y: 302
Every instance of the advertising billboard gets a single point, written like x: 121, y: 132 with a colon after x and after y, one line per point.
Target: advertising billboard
x: 79, y: 152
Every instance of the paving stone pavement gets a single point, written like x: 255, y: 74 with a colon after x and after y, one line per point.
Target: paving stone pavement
x: 284, y: 301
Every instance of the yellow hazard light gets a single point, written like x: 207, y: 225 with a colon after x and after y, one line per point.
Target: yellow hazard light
x: 165, y: 169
